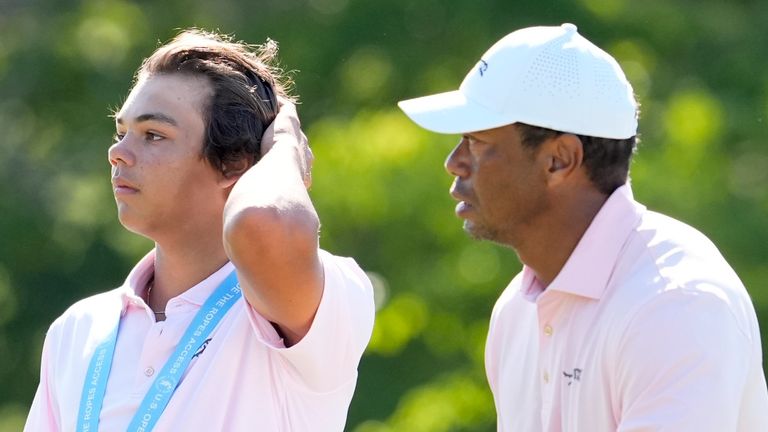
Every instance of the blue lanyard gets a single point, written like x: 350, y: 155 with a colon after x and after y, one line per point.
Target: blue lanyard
x: 159, y: 394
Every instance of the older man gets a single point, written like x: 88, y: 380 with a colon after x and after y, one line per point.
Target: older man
x: 622, y: 319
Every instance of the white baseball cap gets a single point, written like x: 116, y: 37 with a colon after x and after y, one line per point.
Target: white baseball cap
x: 550, y: 77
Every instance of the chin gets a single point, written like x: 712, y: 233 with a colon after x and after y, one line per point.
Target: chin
x: 482, y: 232
x: 132, y: 225
x: 479, y: 232
x: 133, y: 228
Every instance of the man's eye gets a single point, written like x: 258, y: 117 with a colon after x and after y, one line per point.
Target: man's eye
x: 153, y: 136
x: 118, y: 137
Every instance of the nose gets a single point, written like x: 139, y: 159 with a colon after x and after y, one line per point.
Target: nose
x: 120, y: 153
x: 456, y: 164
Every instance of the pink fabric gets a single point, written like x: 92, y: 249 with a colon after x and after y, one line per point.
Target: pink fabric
x: 244, y: 379
x: 645, y: 328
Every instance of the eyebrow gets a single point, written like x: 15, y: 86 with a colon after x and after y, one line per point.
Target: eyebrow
x: 160, y: 117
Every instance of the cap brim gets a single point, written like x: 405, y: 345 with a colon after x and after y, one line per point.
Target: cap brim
x: 451, y: 113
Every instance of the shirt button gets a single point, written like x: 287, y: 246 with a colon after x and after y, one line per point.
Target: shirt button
x: 149, y: 371
x: 548, y: 330
x: 545, y: 377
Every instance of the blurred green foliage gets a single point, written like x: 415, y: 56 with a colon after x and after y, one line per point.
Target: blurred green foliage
x: 380, y: 188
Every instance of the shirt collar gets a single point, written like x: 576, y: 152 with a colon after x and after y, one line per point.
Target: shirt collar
x: 587, y: 271
x: 136, y: 283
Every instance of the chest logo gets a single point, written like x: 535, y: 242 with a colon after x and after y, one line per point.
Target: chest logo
x: 202, y: 347
x: 573, y: 376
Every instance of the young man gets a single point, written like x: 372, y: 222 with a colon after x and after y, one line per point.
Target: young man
x: 622, y: 318
x: 177, y: 348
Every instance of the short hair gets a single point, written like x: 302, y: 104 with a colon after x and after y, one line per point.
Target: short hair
x: 606, y: 160
x: 245, y: 89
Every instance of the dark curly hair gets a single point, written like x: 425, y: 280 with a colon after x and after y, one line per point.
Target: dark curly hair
x: 245, y: 90
x: 606, y: 160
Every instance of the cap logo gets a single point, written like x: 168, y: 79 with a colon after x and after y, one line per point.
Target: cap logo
x: 482, y: 67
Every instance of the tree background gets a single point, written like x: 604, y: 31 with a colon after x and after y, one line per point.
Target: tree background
x: 380, y: 188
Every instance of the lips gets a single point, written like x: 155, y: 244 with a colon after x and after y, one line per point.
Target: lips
x: 457, y: 192
x: 121, y: 187
x: 459, y: 195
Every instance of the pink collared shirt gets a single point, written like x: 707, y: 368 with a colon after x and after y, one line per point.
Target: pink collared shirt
x: 243, y: 379
x: 645, y: 328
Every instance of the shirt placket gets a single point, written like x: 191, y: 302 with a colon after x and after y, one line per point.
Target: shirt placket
x: 549, y: 332
x: 159, y: 343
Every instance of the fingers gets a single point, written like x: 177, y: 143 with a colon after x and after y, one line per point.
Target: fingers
x: 282, y: 101
x: 268, y: 139
x: 286, y: 122
x: 287, y: 119
x: 309, y: 159
x: 287, y: 128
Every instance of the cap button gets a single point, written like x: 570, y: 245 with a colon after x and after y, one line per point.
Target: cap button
x: 570, y: 28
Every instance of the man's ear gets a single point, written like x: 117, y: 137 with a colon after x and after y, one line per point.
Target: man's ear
x: 232, y: 171
x: 564, y: 154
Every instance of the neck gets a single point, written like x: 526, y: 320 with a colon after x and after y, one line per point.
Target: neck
x: 554, y: 239
x: 181, y: 265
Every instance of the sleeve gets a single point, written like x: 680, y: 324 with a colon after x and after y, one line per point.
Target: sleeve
x: 328, y: 355
x: 683, y: 365
x: 42, y: 415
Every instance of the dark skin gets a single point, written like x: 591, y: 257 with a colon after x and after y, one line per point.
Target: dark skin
x: 538, y: 202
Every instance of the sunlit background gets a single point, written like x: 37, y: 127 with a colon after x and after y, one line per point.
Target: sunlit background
x: 698, y: 68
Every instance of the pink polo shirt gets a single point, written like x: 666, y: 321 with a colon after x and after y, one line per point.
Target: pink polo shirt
x: 645, y: 328
x: 243, y: 380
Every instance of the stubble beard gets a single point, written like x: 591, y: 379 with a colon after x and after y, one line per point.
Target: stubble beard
x: 480, y: 232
